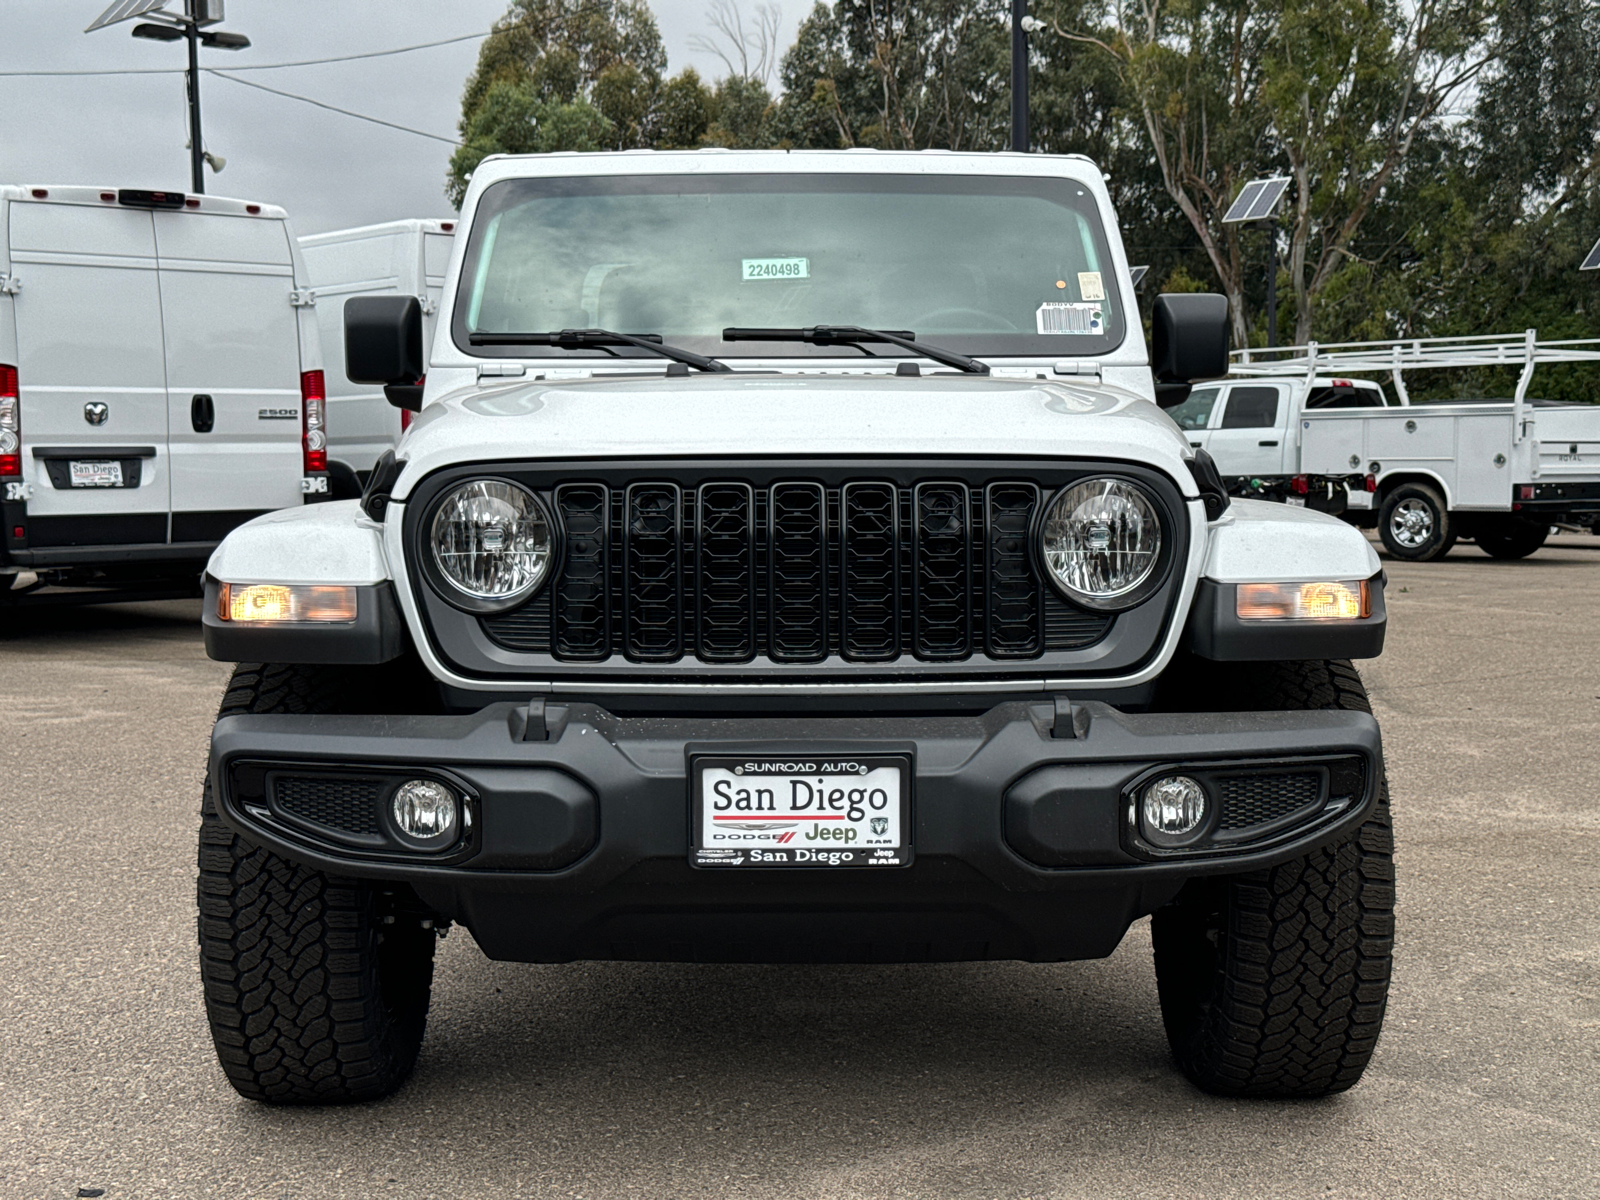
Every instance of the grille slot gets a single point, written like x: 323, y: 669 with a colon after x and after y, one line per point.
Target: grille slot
x: 725, y: 565
x: 652, y: 549
x: 583, y: 609
x: 941, y: 598
x: 1013, y: 600
x: 1259, y: 799
x: 870, y: 571
x: 797, y: 572
x: 347, y: 805
x: 726, y: 572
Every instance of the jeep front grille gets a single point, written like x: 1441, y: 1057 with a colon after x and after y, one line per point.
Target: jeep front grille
x: 796, y: 572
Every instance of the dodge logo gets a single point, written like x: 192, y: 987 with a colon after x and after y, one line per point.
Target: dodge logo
x: 95, y: 412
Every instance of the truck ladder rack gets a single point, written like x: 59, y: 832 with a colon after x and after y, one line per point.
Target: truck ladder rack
x: 1408, y: 354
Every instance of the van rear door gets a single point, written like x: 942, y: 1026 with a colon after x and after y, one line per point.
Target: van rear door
x: 92, y: 380
x: 233, y: 369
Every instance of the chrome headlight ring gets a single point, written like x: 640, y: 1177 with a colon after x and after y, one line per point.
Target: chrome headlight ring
x: 488, y: 544
x: 1103, y: 542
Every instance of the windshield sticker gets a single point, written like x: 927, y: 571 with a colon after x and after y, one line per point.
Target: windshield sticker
x: 1089, y: 285
x: 1071, y: 318
x: 776, y: 268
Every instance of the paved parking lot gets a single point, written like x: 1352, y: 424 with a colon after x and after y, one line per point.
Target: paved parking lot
x: 1004, y: 1080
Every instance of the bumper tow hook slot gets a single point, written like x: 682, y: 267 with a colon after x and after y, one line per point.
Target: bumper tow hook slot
x: 527, y: 724
x: 1070, y: 720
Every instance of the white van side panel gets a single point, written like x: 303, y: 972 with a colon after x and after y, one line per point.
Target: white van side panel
x: 400, y: 258
x: 231, y: 334
x: 88, y: 326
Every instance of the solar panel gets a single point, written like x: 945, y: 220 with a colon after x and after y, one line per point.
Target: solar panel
x: 1257, y: 200
x: 1139, y: 274
x: 1242, y: 204
x: 1592, y: 263
x: 125, y: 10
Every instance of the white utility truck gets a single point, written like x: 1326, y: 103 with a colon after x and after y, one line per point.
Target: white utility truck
x: 791, y: 562
x: 1501, y: 472
x: 160, y: 384
x: 397, y: 258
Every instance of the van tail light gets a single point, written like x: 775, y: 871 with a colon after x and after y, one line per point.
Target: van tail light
x: 1300, y: 485
x: 406, y: 415
x: 1371, y: 483
x: 314, y: 421
x: 10, y: 423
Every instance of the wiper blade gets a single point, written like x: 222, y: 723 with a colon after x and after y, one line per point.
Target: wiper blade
x: 851, y: 335
x: 578, y: 339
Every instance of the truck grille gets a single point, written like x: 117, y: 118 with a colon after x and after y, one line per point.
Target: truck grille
x: 796, y: 572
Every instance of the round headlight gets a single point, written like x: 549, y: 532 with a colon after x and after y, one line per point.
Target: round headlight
x: 1101, y: 543
x: 492, y: 544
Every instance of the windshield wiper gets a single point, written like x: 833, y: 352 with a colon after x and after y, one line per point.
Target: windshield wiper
x: 578, y: 339
x: 853, y: 335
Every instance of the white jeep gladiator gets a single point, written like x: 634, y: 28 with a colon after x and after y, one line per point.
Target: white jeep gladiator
x: 790, y: 561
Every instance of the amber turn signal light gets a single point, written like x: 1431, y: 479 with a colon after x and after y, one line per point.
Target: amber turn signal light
x: 286, y: 602
x: 1345, y: 600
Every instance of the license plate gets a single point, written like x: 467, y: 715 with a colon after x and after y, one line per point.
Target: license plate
x: 95, y: 474
x: 801, y: 811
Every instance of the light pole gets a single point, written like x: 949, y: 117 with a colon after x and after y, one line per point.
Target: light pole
x: 1021, y: 26
x: 191, y: 27
x: 1257, y: 204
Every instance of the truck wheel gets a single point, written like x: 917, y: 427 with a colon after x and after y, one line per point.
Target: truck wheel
x: 316, y: 987
x: 1511, y: 537
x: 1274, y: 983
x: 1414, y: 523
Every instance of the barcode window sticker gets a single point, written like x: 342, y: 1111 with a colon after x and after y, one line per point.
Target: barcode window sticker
x: 1071, y: 318
x: 775, y: 268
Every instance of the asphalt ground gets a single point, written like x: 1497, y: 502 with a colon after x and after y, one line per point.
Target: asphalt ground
x: 975, y: 1080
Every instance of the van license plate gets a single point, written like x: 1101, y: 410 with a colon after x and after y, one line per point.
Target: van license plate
x: 95, y: 474
x: 801, y: 811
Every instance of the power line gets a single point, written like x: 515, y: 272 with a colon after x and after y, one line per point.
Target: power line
x: 330, y: 107
x: 310, y: 62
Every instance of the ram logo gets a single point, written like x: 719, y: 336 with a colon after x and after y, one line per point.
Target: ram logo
x: 95, y: 412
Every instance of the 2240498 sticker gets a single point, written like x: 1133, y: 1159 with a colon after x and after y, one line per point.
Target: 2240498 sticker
x: 1054, y: 317
x: 775, y: 268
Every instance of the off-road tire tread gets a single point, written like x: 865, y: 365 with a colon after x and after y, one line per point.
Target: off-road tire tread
x: 311, y: 998
x: 1291, y: 1001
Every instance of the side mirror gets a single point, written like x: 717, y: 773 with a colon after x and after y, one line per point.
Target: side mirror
x: 1189, y: 339
x: 383, y: 344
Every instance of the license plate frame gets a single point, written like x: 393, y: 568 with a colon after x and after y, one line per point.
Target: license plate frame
x: 95, y: 473
x: 754, y: 832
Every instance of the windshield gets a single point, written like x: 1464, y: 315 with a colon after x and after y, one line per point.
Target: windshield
x: 978, y: 264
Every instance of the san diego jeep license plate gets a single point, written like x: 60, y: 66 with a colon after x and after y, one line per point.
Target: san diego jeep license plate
x: 801, y: 811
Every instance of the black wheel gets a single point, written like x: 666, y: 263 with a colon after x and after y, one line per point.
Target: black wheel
x: 1511, y: 537
x: 1415, y: 524
x: 316, y: 987
x: 1274, y: 983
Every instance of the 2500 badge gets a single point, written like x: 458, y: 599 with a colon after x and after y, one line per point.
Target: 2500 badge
x: 801, y: 812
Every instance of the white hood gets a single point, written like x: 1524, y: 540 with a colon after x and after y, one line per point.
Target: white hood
x: 792, y: 416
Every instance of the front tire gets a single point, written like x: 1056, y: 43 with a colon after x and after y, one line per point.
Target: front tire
x: 1414, y: 523
x: 1274, y: 983
x: 316, y: 987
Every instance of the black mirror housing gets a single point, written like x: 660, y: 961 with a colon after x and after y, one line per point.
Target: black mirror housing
x: 383, y: 340
x: 1189, y: 341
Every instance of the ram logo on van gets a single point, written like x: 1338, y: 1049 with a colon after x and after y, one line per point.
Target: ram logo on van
x: 95, y: 412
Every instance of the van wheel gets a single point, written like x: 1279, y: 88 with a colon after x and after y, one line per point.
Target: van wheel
x: 1415, y: 524
x: 1511, y: 537
x: 316, y: 987
x: 1274, y: 983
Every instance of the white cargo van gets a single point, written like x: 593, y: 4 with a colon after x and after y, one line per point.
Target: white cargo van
x: 160, y: 383
x: 398, y: 258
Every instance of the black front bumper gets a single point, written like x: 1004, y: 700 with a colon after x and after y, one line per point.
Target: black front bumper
x: 578, y: 844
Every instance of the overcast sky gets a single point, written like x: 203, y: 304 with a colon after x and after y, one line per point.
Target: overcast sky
x: 328, y: 170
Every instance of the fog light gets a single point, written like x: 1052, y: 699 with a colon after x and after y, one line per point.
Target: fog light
x: 425, y: 809
x: 1174, y: 807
